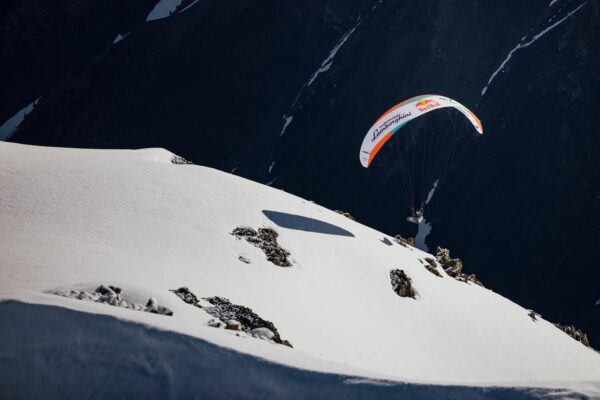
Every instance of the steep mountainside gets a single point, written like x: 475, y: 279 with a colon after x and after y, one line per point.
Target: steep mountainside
x: 284, y: 94
x: 42, y: 42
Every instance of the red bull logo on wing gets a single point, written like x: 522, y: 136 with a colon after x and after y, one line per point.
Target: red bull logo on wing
x: 423, y: 102
x: 426, y: 104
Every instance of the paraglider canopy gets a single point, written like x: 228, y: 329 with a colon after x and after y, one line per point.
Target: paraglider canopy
x: 425, y: 150
x: 396, y: 117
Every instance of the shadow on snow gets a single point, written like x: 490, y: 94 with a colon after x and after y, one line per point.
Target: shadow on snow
x: 298, y: 222
x: 55, y: 353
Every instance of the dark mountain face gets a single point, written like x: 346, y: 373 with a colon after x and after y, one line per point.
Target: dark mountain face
x: 42, y: 41
x: 284, y: 93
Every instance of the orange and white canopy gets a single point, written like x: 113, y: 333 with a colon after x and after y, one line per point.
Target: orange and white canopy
x: 396, y: 117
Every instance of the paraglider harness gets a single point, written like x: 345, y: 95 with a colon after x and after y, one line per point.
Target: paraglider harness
x: 416, y: 217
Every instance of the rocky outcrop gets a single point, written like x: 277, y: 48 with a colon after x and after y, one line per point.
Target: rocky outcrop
x: 431, y: 266
x: 179, y: 160
x: 186, y: 295
x: 454, y: 266
x: 345, y: 214
x: 113, y: 296
x: 247, y: 319
x: 153, y: 307
x: 266, y: 240
x: 570, y: 330
x: 575, y: 333
x: 409, y: 241
x: 233, y: 316
x: 401, y: 283
x: 533, y: 315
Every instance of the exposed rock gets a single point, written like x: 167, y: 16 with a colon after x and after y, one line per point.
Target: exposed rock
x: 244, y: 232
x: 287, y: 343
x: 153, y: 307
x: 345, y: 214
x: 216, y: 323
x: 454, y: 266
x: 186, y: 295
x: 224, y: 310
x: 575, y: 333
x: 266, y: 240
x: 113, y: 296
x: 117, y: 290
x: 102, y: 289
x: 469, y: 278
x: 405, y: 241
x: 431, y: 266
x: 233, y: 325
x: 442, y: 255
x: 533, y: 315
x: 244, y: 259
x: 231, y: 316
x: 401, y: 283
x: 179, y: 160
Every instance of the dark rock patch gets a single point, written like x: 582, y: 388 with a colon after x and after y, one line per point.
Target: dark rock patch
x: 233, y: 325
x: 266, y: 240
x: 401, y: 283
x: 186, y: 295
x: 533, y: 315
x: 454, y: 266
x: 575, y: 333
x: 244, y: 259
x: 233, y: 316
x: 179, y: 160
x: 570, y: 330
x: 409, y: 241
x: 153, y: 307
x: 431, y: 265
x: 345, y: 214
x: 113, y: 296
x: 224, y: 310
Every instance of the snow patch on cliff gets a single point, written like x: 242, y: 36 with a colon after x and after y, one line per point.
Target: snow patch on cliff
x: 10, y: 126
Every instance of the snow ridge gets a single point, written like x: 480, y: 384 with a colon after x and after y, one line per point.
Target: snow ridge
x: 326, y: 64
x: 189, y: 5
x: 523, y: 45
x: 8, y: 128
x: 324, y: 67
x: 163, y: 9
x: 120, y: 37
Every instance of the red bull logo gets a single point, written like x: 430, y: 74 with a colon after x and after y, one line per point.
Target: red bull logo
x: 426, y: 104
x: 423, y: 103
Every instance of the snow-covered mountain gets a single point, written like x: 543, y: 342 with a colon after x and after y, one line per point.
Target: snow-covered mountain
x: 283, y: 93
x: 74, y: 220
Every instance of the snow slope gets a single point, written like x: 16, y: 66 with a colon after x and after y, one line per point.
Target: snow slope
x: 159, y: 364
x: 81, y: 218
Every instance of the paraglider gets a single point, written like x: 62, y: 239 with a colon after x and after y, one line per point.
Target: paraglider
x: 391, y: 122
x: 416, y: 217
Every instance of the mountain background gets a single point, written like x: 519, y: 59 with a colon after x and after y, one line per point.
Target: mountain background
x: 283, y: 93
